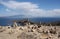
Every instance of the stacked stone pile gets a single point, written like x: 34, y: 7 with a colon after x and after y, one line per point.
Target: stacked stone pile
x: 30, y: 32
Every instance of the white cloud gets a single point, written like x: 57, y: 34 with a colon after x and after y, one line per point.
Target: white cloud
x: 19, y: 5
x: 30, y: 9
x: 8, y: 10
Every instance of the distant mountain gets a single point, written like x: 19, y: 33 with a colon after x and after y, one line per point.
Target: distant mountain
x: 17, y: 16
x: 20, y: 16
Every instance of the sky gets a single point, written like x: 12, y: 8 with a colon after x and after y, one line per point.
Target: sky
x: 30, y: 8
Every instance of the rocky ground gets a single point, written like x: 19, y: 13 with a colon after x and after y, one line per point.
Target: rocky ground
x: 30, y: 32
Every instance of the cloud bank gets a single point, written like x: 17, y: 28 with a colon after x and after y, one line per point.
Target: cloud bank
x: 28, y: 9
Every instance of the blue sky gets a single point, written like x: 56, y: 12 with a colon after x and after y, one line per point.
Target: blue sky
x: 30, y: 8
x: 45, y: 4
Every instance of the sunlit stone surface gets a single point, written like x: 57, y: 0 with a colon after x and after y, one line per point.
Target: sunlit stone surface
x: 30, y: 32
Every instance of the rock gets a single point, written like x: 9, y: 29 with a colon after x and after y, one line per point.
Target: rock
x: 26, y: 36
x: 52, y: 31
x: 30, y: 32
x: 1, y: 27
x: 11, y: 32
x: 44, y: 36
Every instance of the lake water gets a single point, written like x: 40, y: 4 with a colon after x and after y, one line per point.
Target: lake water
x: 8, y: 21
